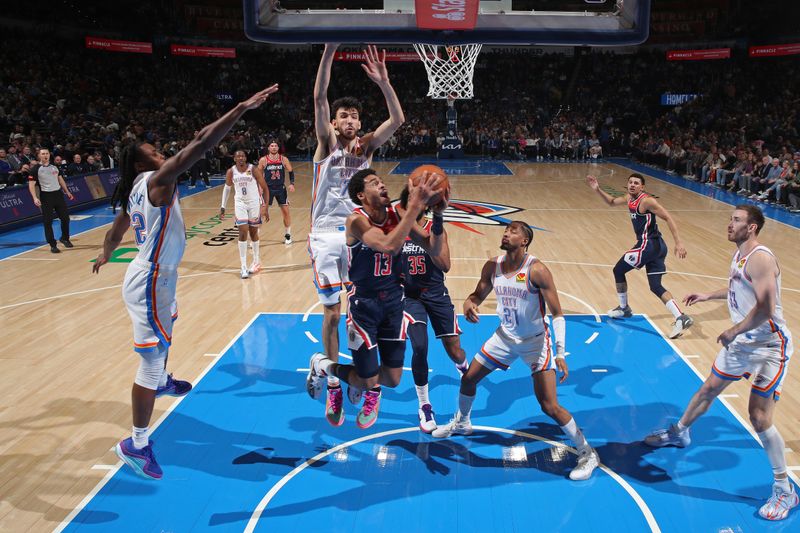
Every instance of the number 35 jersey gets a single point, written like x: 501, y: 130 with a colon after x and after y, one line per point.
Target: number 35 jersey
x: 520, y: 305
x: 158, y: 230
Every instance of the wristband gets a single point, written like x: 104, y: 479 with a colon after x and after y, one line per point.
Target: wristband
x: 291, y: 177
x: 437, y: 228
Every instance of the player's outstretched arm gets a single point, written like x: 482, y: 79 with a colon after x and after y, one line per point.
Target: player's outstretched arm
x: 164, y: 179
x: 226, y: 191
x: 375, y: 67
x: 435, y: 242
x: 592, y: 182
x: 482, y: 290
x: 326, y: 135
x: 112, y: 239
x: 650, y: 204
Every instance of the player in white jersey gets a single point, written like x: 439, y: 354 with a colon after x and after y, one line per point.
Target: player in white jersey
x: 522, y: 285
x: 147, y: 193
x: 249, y: 203
x: 340, y: 154
x: 757, y: 346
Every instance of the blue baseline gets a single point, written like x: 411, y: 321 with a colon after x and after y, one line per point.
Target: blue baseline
x: 30, y: 237
x: 457, y: 167
x: 770, y: 211
x: 249, y: 423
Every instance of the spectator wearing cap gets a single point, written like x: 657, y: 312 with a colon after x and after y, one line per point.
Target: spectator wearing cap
x: 52, y: 189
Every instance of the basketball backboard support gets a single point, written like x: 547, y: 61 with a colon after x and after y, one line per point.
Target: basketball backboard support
x: 503, y: 22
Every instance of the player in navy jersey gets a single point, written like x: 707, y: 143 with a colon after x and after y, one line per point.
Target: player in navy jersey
x: 375, y: 326
x: 426, y: 299
x: 275, y: 167
x: 650, y: 250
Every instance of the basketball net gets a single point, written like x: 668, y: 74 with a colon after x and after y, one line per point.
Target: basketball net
x: 449, y: 73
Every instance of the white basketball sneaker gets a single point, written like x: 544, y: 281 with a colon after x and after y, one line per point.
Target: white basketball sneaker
x: 244, y: 273
x: 779, y: 504
x: 588, y: 460
x: 426, y: 421
x: 669, y: 437
x: 621, y: 312
x: 354, y: 394
x: 314, y: 381
x: 682, y: 323
x: 458, y: 425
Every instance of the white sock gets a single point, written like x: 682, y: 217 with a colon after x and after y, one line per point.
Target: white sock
x: 139, y: 437
x: 465, y: 405
x: 463, y: 366
x: 574, y: 433
x: 243, y: 253
x: 333, y: 381
x: 680, y: 427
x: 422, y: 394
x: 672, y: 305
x: 288, y: 230
x: 775, y: 448
x: 256, y: 256
x: 623, y: 299
x: 163, y: 381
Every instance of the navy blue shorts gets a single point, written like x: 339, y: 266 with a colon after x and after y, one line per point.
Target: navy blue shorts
x: 433, y: 304
x: 280, y: 195
x: 375, y: 330
x: 652, y: 255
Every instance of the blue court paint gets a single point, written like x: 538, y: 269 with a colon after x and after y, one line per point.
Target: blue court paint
x: 457, y: 167
x: 249, y: 423
x: 770, y: 211
x: 29, y: 237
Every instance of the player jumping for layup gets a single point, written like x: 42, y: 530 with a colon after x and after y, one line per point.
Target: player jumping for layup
x: 758, y: 345
x: 274, y: 165
x: 340, y: 154
x: 650, y: 250
x: 248, y: 186
x: 148, y: 194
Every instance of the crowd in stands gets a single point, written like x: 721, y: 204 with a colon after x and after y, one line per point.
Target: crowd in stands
x: 84, y: 104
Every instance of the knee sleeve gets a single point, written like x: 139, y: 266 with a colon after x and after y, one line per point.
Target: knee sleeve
x: 620, y: 269
x: 418, y: 334
x: 654, y: 280
x: 151, y: 368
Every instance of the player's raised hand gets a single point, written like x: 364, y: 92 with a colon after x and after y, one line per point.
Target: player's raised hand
x: 375, y: 65
x: 471, y: 311
x: 592, y: 182
x: 424, y: 189
x: 441, y: 207
x: 260, y: 97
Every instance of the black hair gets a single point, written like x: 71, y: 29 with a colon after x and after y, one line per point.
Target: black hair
x: 525, y: 228
x: 404, y: 202
x: 754, y: 215
x: 127, y: 173
x: 637, y: 176
x: 346, y: 102
x: 356, y: 184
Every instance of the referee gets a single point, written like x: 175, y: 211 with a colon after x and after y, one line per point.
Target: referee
x: 51, y: 184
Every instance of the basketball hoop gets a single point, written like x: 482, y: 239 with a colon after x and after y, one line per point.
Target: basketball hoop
x: 449, y: 74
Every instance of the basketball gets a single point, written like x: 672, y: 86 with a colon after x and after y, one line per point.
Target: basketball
x: 416, y: 174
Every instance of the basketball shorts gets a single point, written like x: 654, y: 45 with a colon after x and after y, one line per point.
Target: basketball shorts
x: 764, y: 360
x: 247, y: 213
x: 372, y: 323
x: 652, y: 255
x: 280, y: 195
x: 501, y: 350
x: 433, y: 305
x: 149, y: 295
x: 329, y: 261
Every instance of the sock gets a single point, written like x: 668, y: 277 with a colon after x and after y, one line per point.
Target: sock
x: 775, y: 448
x: 623, y: 299
x: 256, y: 256
x: 680, y: 427
x: 163, y: 381
x: 422, y: 394
x: 323, y: 366
x: 574, y: 433
x: 465, y: 405
x: 140, y: 437
x: 784, y: 485
x: 288, y: 230
x: 243, y: 253
x: 673, y: 308
x: 333, y: 381
x: 463, y: 366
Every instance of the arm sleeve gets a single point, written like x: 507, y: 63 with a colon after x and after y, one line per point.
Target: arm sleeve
x: 226, y: 191
x: 560, y: 329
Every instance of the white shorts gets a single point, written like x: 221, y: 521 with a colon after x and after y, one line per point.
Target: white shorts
x: 247, y: 213
x: 501, y: 350
x: 329, y: 261
x: 766, y: 361
x: 149, y: 294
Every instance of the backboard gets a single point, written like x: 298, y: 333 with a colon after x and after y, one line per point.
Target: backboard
x: 540, y: 22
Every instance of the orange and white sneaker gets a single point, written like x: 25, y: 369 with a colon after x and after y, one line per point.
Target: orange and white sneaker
x: 779, y: 504
x: 368, y: 414
x: 255, y: 268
